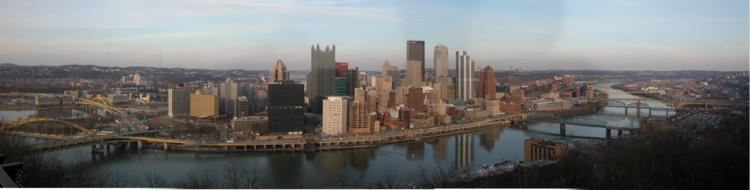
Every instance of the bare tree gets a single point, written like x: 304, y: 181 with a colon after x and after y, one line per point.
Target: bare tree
x: 153, y: 180
x: 389, y: 180
x: 238, y: 174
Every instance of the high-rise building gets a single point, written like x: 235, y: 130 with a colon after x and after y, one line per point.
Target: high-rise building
x: 372, y: 100
x: 286, y: 111
x: 414, y: 73
x: 486, y: 87
x: 137, y: 79
x: 415, y: 100
x: 464, y: 77
x: 228, y: 90
x: 243, y: 106
x: 204, y: 105
x: 568, y: 79
x: 341, y: 69
x: 321, y: 82
x: 415, y: 51
x: 388, y: 69
x: 517, y: 96
x: 443, y: 88
x: 178, y: 102
x: 358, y: 118
x: 352, y: 80
x: 278, y: 72
x: 342, y: 86
x: 441, y: 61
x: 589, y: 93
x: 334, y: 115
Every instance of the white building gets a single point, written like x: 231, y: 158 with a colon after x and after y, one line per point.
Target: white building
x: 465, y: 87
x: 334, y: 115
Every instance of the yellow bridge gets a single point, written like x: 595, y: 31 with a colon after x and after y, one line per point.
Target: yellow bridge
x: 22, y: 122
x: 103, y: 103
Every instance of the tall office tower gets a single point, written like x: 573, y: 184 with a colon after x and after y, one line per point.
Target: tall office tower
x: 137, y: 79
x: 341, y: 69
x: 441, y: 61
x: 321, y: 82
x: 204, y: 105
x: 464, y: 151
x: 358, y: 117
x: 464, y: 77
x: 360, y: 94
x: 413, y: 73
x: 252, y: 99
x: 278, y: 72
x: 342, y: 86
x: 486, y: 87
x: 352, y: 80
x: 334, y: 115
x: 415, y: 100
x: 443, y: 88
x: 243, y: 106
x: 415, y: 51
x: 392, y: 71
x: 229, y: 93
x: 517, y: 95
x: 178, y: 100
x: 372, y: 100
x: 286, y: 111
x: 569, y: 79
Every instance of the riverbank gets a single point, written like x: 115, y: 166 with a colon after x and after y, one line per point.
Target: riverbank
x: 302, y: 144
x: 694, y: 156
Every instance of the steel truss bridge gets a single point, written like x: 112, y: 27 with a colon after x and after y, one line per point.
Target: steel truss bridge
x: 24, y: 122
x: 581, y: 122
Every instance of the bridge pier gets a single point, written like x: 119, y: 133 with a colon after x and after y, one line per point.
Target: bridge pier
x: 140, y: 145
x: 649, y: 112
x: 638, y: 111
x: 166, y: 147
x: 562, y: 129
x: 626, y: 111
x: 609, y: 133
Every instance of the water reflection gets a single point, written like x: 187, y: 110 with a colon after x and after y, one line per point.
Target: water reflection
x: 487, y: 140
x: 286, y: 168
x: 439, y: 148
x: 464, y: 151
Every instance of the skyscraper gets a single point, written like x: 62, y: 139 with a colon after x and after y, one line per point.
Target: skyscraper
x: 486, y: 88
x: 341, y: 69
x: 286, y: 112
x: 278, y: 72
x: 388, y: 69
x: 441, y: 61
x: 334, y: 115
x: 414, y: 73
x: 178, y: 101
x: 352, y: 80
x: 464, y: 77
x: 415, y: 51
x: 229, y: 93
x: 322, y: 76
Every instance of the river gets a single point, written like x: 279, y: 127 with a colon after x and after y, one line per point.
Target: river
x: 406, y: 161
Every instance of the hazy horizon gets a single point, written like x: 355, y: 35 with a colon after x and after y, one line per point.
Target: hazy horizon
x: 609, y: 35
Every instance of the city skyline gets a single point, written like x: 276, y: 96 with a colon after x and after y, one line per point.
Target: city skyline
x: 533, y: 35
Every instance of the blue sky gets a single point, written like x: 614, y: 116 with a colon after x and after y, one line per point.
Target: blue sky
x: 530, y: 34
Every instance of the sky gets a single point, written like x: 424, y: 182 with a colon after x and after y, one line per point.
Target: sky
x: 252, y: 35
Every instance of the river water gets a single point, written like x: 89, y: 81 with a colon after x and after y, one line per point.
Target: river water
x: 361, y: 167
